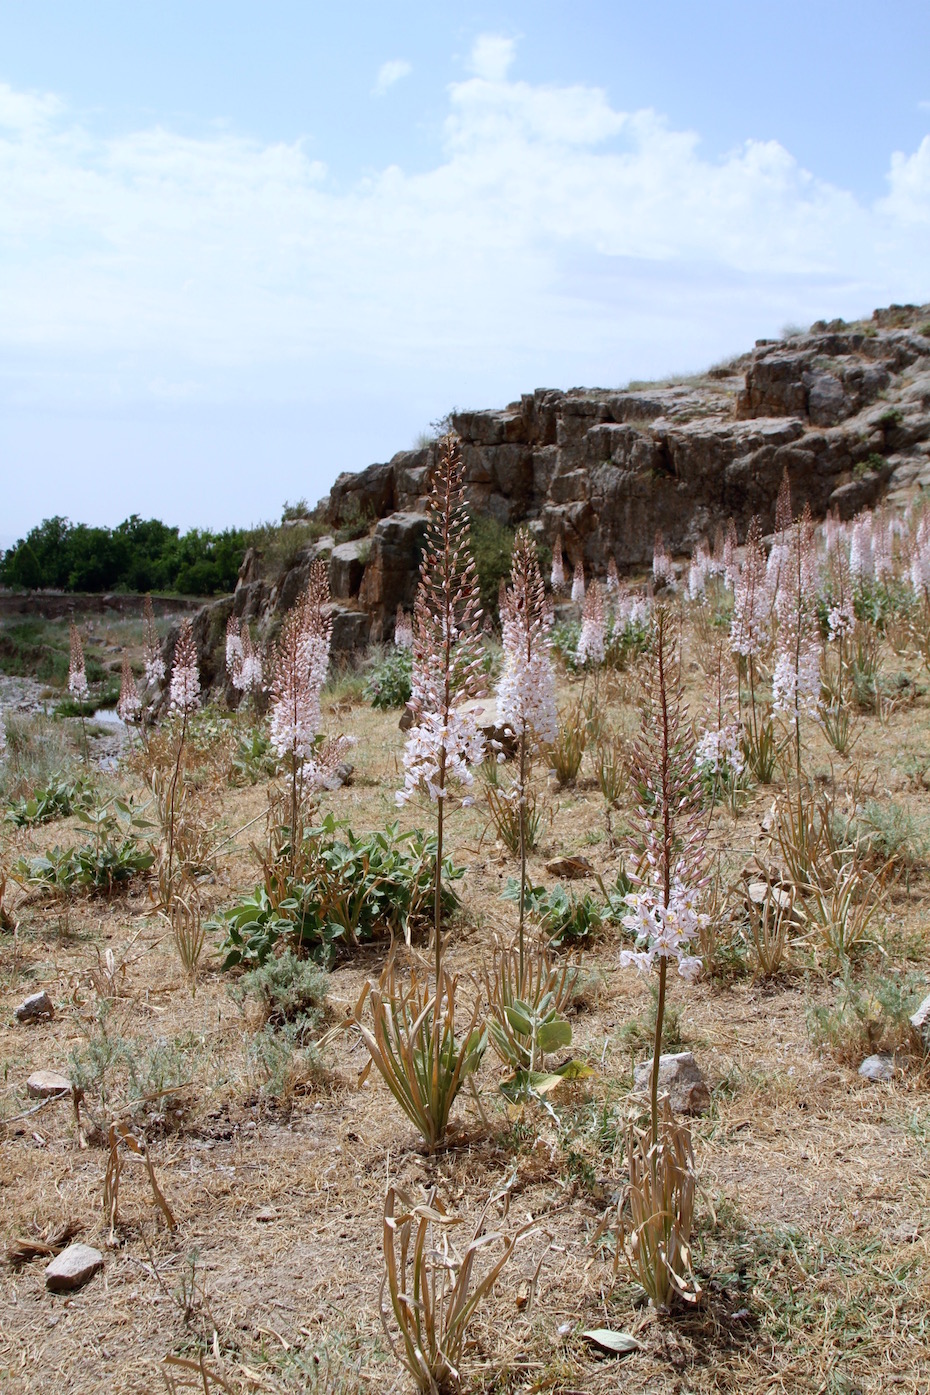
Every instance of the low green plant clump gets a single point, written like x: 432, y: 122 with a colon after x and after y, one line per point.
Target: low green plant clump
x: 388, y: 683
x: 347, y: 891
x: 286, y: 988
x: 118, y: 851
x: 570, y: 919
x: 869, y: 1014
x: 254, y: 758
x: 119, y: 1071
x: 56, y: 800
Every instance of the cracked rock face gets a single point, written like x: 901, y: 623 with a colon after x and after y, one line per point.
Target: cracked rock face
x: 845, y: 409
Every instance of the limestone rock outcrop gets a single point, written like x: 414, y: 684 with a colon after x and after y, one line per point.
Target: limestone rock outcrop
x: 845, y: 409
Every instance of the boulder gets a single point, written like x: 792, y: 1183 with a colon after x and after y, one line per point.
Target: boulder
x: 346, y: 567
x: 680, y: 1078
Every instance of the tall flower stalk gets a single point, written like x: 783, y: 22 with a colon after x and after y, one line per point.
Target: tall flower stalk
x: 749, y: 627
x: 670, y: 832
x: 447, y: 668
x: 301, y: 665
x: 77, y: 679
x: 655, y: 1215
x: 526, y: 690
x: 185, y: 699
x: 796, y: 680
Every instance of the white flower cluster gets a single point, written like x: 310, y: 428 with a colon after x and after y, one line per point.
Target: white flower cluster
x: 403, y: 630
x: 663, y: 572
x: 578, y: 584
x: 557, y: 577
x: 185, y: 680
x: 246, y: 671
x: 664, y: 932
x: 719, y: 751
x: 920, y: 561
x: 861, y: 553
x: 796, y: 680
x: 841, y: 619
x: 77, y: 676
x: 129, y: 706
x: 154, y: 666
x: 701, y: 567
x: 295, y: 720
x: 233, y: 648
x: 592, y: 640
x: 434, y: 743
x: 526, y: 689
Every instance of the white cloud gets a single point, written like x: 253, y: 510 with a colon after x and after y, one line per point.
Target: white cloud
x: 557, y: 239
x: 923, y: 106
x: 491, y: 57
x: 389, y: 73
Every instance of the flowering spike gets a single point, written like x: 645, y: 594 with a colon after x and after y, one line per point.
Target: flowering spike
x: 77, y: 674
x: 403, y: 629
x: 129, y: 706
x: 557, y: 579
x: 526, y: 689
x: 752, y: 602
x: 447, y: 650
x: 301, y: 665
x: 592, y: 640
x: 153, y: 662
x: 185, y: 679
x: 663, y: 573
x: 796, y: 680
x: 578, y: 583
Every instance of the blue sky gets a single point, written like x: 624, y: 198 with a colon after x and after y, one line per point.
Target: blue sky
x: 243, y: 246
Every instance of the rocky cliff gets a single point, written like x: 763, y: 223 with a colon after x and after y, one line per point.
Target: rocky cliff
x: 845, y: 408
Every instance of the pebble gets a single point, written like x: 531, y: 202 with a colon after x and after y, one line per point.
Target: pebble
x: 37, y: 1005
x: 72, y: 1268
x: 877, y: 1068
x: 45, y: 1084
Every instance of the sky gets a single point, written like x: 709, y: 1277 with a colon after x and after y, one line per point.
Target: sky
x: 246, y: 246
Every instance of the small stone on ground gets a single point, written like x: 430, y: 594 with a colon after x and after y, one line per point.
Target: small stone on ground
x: 680, y: 1078
x: 877, y: 1068
x: 72, y: 1268
x: 44, y: 1084
x: 36, y: 1006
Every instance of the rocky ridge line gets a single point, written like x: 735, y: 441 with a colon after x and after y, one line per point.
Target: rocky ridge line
x: 844, y: 408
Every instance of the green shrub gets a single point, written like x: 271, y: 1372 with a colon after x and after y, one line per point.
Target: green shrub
x: 868, y: 1015
x: 351, y: 890
x: 56, y: 800
x: 492, y: 546
x: 286, y: 989
x: 563, y: 916
x: 117, y: 852
x: 388, y: 683
x: 254, y: 758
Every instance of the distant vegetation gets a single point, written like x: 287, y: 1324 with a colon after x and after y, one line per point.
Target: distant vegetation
x: 138, y: 555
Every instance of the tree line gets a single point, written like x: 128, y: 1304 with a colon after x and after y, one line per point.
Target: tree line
x: 137, y: 555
